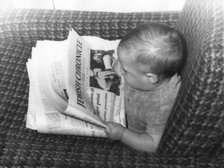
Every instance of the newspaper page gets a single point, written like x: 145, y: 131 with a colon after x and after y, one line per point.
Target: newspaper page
x: 49, y: 94
x: 93, y: 83
x: 48, y: 97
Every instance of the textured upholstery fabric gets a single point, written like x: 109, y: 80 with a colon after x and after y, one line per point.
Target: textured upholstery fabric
x: 194, y: 131
x: 196, y: 123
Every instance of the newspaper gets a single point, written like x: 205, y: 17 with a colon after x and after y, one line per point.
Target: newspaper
x: 73, y: 87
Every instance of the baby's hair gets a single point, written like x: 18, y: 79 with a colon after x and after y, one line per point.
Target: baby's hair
x: 156, y: 45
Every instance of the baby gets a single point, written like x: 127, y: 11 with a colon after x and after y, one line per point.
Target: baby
x: 150, y: 58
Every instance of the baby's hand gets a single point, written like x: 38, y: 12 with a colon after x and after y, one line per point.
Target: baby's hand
x: 115, y: 131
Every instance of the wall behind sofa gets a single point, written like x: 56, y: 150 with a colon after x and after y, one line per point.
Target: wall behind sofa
x: 96, y: 5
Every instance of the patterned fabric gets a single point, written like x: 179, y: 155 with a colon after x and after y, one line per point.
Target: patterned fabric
x: 19, y: 31
x: 32, y: 25
x: 196, y: 123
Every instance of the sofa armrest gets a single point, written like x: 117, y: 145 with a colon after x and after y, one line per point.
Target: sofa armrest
x: 195, y: 126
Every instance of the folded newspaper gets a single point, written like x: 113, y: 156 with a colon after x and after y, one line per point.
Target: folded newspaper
x: 73, y: 87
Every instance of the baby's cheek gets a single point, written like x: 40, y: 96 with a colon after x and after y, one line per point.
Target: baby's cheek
x: 117, y: 68
x: 127, y: 81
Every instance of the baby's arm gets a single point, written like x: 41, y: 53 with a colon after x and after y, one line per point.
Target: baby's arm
x: 140, y: 142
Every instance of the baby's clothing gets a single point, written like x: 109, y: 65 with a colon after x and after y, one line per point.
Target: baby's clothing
x: 148, y: 111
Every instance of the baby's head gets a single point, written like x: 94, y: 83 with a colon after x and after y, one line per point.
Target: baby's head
x: 149, y: 55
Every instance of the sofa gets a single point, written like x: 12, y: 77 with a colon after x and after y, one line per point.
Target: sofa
x: 194, y: 132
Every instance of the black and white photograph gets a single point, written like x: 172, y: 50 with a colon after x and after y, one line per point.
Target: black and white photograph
x: 112, y: 83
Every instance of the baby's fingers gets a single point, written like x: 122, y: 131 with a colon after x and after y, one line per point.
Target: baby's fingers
x: 107, y: 130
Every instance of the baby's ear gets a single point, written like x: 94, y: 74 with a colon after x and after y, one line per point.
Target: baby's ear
x: 152, y: 78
